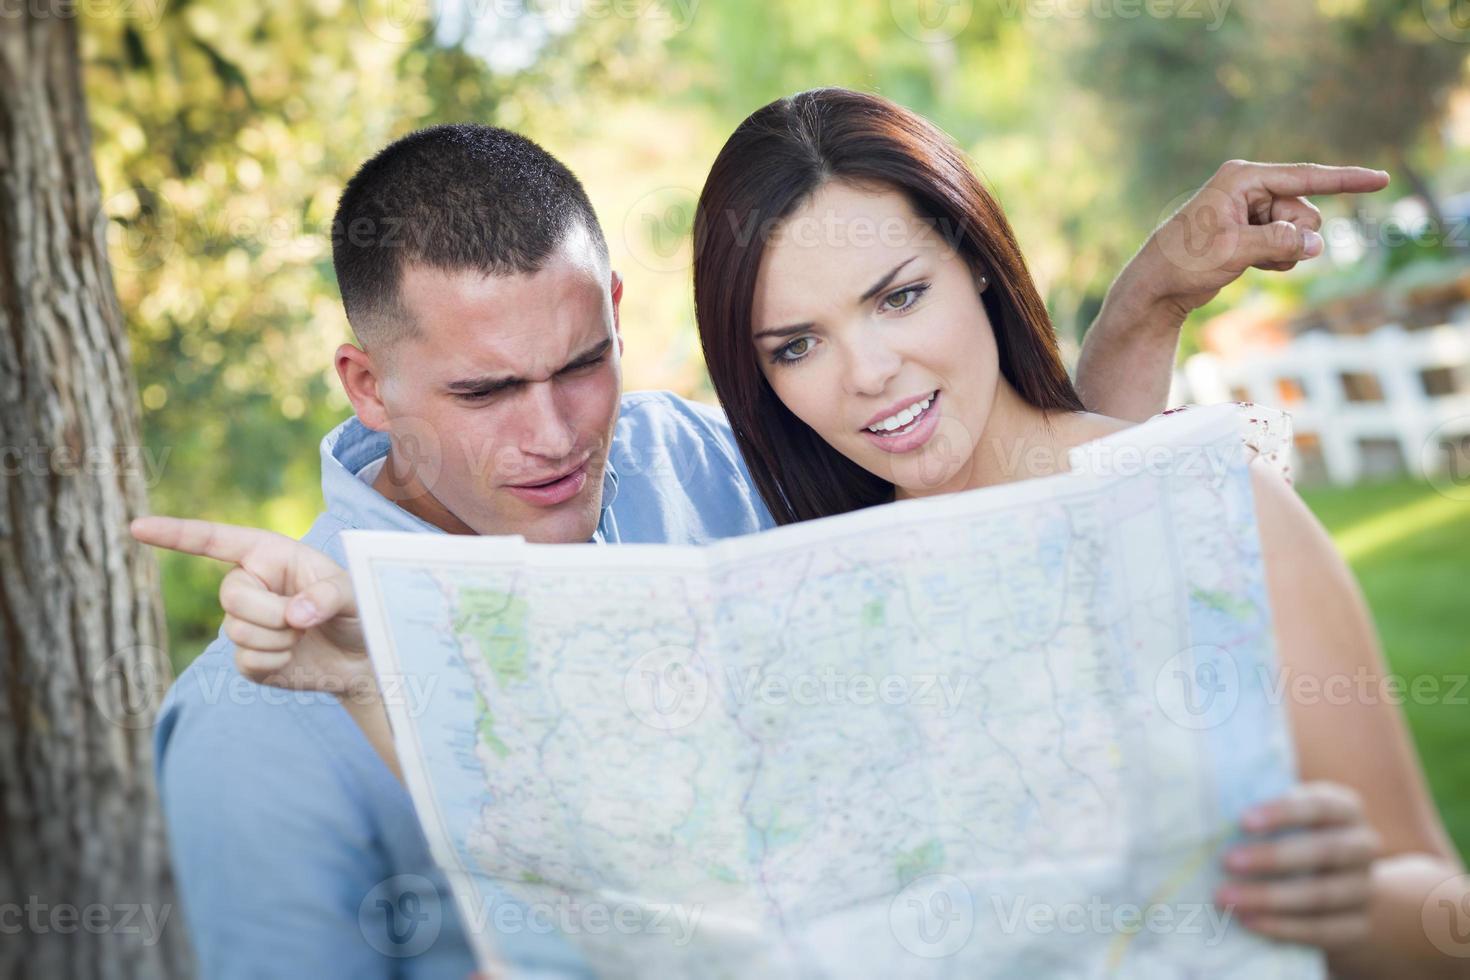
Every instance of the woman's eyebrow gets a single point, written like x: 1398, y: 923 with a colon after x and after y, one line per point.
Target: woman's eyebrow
x: 883, y: 283
x: 873, y: 290
x: 783, y: 331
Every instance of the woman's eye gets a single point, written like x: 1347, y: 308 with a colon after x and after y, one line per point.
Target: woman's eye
x: 902, y: 299
x: 795, y: 350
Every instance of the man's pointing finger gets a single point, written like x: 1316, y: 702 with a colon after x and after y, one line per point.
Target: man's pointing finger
x: 1306, y: 179
x: 222, y: 542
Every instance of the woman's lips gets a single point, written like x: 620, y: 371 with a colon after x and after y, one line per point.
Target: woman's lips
x: 556, y: 492
x: 914, y: 435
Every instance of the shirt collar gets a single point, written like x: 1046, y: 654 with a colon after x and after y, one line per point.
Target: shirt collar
x: 351, y: 446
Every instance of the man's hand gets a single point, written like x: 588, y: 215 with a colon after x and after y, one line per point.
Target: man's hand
x: 289, y: 609
x: 1247, y: 215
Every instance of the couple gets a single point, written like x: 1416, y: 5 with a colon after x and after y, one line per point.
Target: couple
x: 873, y: 334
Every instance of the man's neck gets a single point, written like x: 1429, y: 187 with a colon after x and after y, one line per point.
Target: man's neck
x: 404, y: 488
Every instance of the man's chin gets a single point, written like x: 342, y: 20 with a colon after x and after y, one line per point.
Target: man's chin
x: 551, y: 533
x: 573, y: 522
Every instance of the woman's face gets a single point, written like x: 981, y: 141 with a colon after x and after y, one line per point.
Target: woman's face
x: 869, y: 327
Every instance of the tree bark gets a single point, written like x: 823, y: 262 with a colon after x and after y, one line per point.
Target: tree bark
x: 83, y: 864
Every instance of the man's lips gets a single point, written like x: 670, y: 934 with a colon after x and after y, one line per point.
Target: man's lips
x: 544, y: 480
x: 552, y: 490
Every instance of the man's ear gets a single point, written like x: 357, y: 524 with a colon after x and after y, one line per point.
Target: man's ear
x: 617, y: 298
x: 362, y: 379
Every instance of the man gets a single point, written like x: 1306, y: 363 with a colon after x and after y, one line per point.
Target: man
x: 487, y: 400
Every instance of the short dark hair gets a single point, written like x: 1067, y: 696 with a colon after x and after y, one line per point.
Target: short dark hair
x: 455, y: 197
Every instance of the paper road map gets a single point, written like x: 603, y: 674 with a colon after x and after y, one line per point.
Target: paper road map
x: 1003, y: 733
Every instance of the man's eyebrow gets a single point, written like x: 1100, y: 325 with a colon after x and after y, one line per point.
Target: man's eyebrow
x: 489, y: 385
x: 873, y: 290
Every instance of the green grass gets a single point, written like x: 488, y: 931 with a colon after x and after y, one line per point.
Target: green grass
x: 1409, y: 546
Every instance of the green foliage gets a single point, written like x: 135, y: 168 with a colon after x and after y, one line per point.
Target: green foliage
x: 224, y: 133
x: 1405, y: 544
x: 223, y: 137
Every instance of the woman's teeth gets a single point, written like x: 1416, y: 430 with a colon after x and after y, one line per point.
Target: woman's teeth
x: 903, y: 420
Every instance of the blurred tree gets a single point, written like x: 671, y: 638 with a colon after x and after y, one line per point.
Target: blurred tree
x: 225, y: 134
x: 1335, y: 81
x: 1337, y: 110
x: 80, y: 627
x: 1359, y: 82
x: 986, y: 73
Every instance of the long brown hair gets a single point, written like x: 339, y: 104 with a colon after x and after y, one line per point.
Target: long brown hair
x: 773, y: 162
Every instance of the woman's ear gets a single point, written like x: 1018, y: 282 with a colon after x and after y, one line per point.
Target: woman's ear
x: 982, y: 281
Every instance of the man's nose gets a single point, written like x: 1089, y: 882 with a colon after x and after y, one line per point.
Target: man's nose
x: 871, y: 365
x: 546, y: 428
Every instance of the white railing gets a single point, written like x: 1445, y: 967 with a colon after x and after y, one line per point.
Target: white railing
x: 1307, y: 379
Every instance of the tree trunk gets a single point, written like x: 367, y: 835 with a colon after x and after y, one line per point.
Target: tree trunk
x: 85, y: 889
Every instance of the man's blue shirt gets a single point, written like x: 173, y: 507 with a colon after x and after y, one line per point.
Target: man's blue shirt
x: 297, y: 852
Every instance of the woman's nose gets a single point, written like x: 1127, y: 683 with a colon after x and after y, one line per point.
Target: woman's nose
x: 871, y: 365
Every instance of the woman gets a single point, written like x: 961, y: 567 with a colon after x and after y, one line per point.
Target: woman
x: 873, y: 335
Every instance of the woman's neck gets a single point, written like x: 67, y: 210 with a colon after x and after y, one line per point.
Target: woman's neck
x: 1023, y: 442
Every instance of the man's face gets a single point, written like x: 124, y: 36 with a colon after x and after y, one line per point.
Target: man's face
x: 501, y: 405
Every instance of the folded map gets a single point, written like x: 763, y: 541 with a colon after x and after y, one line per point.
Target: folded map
x: 1001, y: 733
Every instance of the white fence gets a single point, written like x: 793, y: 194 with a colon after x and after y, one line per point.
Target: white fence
x: 1360, y: 405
